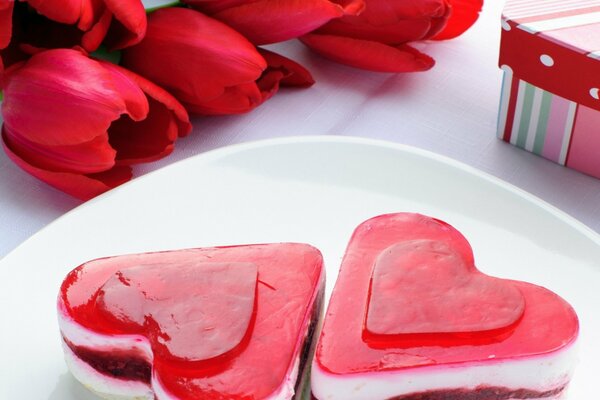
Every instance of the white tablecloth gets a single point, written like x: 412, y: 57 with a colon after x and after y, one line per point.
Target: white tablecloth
x: 450, y: 110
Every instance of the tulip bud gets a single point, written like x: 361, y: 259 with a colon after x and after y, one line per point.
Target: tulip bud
x: 272, y: 21
x: 205, y: 64
x: 47, y: 24
x: 79, y: 124
x: 378, y: 39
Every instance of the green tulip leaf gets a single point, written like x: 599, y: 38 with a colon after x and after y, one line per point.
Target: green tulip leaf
x: 1, y: 96
x: 151, y: 5
x: 103, y: 54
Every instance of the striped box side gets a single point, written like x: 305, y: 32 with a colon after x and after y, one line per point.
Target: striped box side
x: 534, y: 119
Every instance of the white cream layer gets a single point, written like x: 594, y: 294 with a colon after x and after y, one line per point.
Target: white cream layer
x: 542, y: 373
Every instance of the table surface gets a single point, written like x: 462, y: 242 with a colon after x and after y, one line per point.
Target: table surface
x: 450, y: 110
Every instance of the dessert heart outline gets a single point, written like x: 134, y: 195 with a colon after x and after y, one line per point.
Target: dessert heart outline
x: 549, y: 323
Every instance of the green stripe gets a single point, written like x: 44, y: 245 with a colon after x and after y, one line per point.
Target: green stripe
x: 525, y: 115
x: 542, y: 128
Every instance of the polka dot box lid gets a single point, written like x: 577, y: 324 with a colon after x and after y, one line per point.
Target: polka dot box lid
x: 550, y: 55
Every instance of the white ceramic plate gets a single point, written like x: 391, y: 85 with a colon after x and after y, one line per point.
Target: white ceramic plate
x: 313, y: 190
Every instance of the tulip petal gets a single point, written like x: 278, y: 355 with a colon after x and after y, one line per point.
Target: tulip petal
x: 271, y: 21
x: 32, y: 28
x: 129, y: 23
x: 90, y: 12
x: 369, y: 55
x: 64, y: 11
x: 159, y: 94
x: 75, y: 98
x: 242, y: 98
x: 294, y: 73
x: 384, y: 12
x: 37, y: 27
x: 83, y: 158
x: 400, y: 31
x: 178, y: 41
x: 83, y: 187
x: 234, y: 100
x: 92, y: 39
x: 9, y: 57
x: 210, y: 7
x: 128, y: 89
x: 6, y: 10
x: 144, y: 141
x: 463, y: 16
x: 438, y: 24
x: 268, y: 84
x: 152, y: 138
x: 392, y: 22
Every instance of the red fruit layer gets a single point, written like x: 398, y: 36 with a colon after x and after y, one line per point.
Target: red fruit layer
x: 125, y: 365
x: 480, y: 393
x: 347, y: 345
x: 286, y: 283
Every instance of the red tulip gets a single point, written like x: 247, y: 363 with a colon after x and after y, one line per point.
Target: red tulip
x: 79, y: 124
x: 464, y: 15
x: 271, y: 21
x: 6, y: 9
x: 378, y: 38
x: 208, y: 66
x: 67, y: 23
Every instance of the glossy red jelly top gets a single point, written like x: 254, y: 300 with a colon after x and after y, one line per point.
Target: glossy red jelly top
x: 190, y: 311
x: 222, y: 322
x: 409, y: 295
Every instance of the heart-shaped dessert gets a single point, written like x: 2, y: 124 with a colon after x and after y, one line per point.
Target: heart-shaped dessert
x: 231, y: 322
x: 411, y: 318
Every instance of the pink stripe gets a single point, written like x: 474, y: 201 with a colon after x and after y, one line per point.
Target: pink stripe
x: 585, y: 142
x: 519, y: 9
x: 559, y: 108
x: 544, y: 15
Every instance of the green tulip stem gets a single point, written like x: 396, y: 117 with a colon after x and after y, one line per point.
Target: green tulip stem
x: 1, y: 95
x: 153, y: 5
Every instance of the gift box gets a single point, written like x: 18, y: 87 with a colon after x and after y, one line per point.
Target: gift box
x: 550, y: 55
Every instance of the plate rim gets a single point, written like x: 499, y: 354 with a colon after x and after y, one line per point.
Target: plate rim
x: 221, y: 152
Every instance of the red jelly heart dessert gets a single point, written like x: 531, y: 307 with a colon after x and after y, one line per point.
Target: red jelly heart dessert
x: 212, y: 323
x: 411, y: 318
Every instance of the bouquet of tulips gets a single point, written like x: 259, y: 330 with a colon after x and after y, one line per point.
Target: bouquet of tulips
x: 92, y: 87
